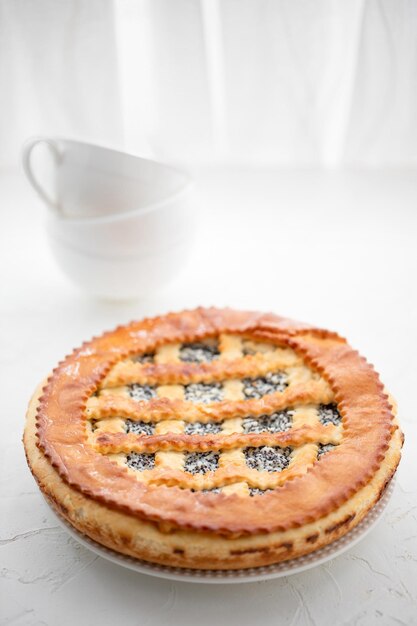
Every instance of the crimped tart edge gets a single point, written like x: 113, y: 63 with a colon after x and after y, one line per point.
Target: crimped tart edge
x: 202, y: 322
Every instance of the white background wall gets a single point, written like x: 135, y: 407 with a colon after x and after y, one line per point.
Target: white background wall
x: 260, y: 82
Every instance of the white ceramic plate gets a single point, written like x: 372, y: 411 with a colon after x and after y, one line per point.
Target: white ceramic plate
x: 255, y: 574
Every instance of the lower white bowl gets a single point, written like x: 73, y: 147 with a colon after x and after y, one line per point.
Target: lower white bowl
x: 120, y: 278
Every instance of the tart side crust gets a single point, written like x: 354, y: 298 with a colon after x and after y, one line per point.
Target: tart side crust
x: 158, y: 543
x: 306, y: 499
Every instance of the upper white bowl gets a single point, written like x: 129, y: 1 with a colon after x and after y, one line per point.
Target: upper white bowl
x: 120, y: 226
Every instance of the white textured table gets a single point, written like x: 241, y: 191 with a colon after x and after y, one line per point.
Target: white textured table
x: 335, y: 250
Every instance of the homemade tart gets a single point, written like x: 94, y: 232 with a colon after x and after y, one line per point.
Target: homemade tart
x: 213, y: 439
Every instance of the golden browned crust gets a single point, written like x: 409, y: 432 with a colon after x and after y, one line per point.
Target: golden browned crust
x: 317, y: 492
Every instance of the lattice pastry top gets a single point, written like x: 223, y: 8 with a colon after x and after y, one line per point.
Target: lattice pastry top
x: 227, y: 422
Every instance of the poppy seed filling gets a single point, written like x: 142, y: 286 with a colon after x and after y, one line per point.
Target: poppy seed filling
x: 139, y: 428
x: 262, y: 459
x: 140, y: 462
x: 275, y: 423
x: 201, y: 462
x: 141, y: 392
x: 254, y: 491
x: 203, y: 393
x: 270, y: 383
x: 199, y: 352
x: 267, y: 459
x: 198, y: 428
x: 329, y: 414
x: 324, y: 448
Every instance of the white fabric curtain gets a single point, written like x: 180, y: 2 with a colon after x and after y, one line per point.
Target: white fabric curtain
x: 58, y: 72
x: 259, y: 82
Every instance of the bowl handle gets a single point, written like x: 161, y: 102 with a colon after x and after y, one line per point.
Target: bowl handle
x: 27, y: 167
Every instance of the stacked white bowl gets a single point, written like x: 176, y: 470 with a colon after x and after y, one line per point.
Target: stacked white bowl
x: 119, y: 226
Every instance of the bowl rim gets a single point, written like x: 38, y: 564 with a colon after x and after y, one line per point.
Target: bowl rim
x: 188, y: 183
